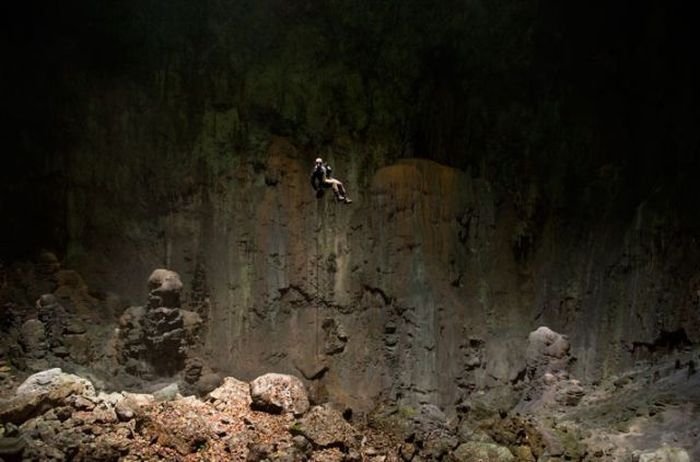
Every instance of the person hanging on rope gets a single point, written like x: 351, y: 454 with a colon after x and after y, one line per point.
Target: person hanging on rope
x: 321, y: 178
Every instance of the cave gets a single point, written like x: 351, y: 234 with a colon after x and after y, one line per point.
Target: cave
x: 496, y: 258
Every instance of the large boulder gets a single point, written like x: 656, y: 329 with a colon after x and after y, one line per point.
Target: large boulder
x: 186, y: 431
x: 164, y: 289
x: 46, y: 381
x: 279, y: 393
x: 665, y: 454
x: 548, y: 363
x: 325, y: 427
x: 231, y: 393
x: 41, y: 392
x: 547, y: 351
x: 484, y: 452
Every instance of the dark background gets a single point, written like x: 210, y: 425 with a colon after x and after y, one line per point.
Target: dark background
x: 596, y: 102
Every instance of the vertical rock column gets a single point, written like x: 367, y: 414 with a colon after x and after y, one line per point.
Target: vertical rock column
x: 157, y: 338
x: 163, y: 323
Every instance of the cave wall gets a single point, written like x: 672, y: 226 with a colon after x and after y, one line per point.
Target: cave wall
x: 509, y: 169
x: 423, y: 290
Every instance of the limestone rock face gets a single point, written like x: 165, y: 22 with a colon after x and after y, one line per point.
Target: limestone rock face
x: 279, y: 393
x: 423, y: 290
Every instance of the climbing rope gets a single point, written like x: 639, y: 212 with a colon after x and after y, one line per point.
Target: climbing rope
x: 317, y: 300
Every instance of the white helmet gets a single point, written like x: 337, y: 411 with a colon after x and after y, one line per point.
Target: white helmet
x: 319, y: 160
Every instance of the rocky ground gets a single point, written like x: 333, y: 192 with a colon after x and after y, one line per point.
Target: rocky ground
x: 649, y: 414
x: 84, y: 378
x: 59, y: 416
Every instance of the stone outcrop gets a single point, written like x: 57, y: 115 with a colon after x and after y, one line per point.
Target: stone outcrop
x: 34, y: 343
x: 547, y: 375
x: 157, y: 339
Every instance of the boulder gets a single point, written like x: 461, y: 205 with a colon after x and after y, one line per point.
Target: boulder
x: 547, y: 351
x: 231, y: 392
x: 569, y: 392
x: 279, y: 393
x: 11, y: 448
x: 41, y: 392
x: 124, y: 411
x: 186, y: 431
x: 46, y: 381
x: 48, y: 263
x: 325, y: 427
x: 665, y: 454
x: 74, y: 326
x: 136, y: 401
x: 547, y: 374
x: 33, y: 338
x: 485, y: 452
x: 73, y: 293
x: 50, y: 310
x: 164, y: 289
x: 207, y: 382
x: 167, y: 393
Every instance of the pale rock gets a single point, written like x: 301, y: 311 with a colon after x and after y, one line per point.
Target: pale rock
x: 279, y: 393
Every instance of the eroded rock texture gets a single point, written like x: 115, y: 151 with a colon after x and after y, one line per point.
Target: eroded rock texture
x: 421, y: 290
x: 156, y: 339
x: 424, y: 290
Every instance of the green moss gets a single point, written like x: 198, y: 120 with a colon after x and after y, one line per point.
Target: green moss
x: 570, y: 440
x: 406, y: 412
x: 296, y: 428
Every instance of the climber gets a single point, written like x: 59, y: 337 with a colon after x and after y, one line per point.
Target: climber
x: 321, y: 179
